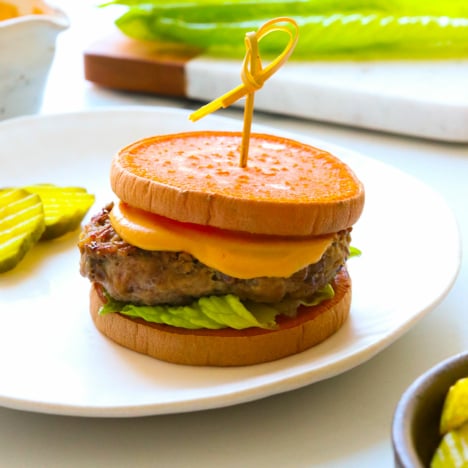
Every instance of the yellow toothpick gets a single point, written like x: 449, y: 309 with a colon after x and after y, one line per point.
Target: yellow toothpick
x: 253, y: 76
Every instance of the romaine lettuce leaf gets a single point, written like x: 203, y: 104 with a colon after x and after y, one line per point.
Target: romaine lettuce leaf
x: 214, y: 312
x: 354, y: 252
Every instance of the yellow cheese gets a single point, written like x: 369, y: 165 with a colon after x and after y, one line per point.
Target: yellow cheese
x: 8, y: 11
x: 234, y: 254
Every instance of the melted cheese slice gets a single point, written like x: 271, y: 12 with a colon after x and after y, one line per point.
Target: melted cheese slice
x: 235, y: 254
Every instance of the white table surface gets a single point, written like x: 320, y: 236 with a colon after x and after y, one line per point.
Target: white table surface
x: 343, y: 421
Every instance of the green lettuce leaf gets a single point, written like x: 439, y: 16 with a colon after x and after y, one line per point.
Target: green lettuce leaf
x: 329, y: 29
x: 214, y: 312
x: 321, y: 295
x: 354, y: 252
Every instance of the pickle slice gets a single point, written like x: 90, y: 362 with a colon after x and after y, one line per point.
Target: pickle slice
x: 64, y: 207
x: 455, y: 409
x: 452, y: 450
x: 21, y: 225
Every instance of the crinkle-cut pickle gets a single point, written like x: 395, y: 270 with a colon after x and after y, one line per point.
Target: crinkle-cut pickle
x: 455, y: 409
x: 21, y: 225
x: 64, y: 207
x: 37, y: 212
x: 453, y: 448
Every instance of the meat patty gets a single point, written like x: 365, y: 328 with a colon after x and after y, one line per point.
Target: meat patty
x: 130, y: 274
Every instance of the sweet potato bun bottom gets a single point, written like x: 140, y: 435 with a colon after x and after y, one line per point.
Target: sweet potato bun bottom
x: 227, y: 347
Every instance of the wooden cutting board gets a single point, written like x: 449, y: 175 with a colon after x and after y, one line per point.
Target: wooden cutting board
x: 121, y: 63
x: 427, y: 99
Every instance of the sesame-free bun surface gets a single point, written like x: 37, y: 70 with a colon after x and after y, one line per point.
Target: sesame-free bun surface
x: 288, y: 188
x: 227, y: 347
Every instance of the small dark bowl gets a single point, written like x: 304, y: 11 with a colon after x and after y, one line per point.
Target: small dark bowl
x: 415, y: 428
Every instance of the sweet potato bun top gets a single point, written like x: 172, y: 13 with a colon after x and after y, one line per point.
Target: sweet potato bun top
x: 288, y: 188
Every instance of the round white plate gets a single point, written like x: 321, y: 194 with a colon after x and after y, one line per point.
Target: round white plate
x: 53, y: 360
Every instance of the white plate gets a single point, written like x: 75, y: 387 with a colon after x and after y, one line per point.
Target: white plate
x: 53, y: 360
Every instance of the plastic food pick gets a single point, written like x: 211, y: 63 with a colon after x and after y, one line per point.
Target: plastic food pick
x: 253, y: 76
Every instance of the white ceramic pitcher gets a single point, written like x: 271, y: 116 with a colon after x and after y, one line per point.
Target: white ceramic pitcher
x: 27, y: 47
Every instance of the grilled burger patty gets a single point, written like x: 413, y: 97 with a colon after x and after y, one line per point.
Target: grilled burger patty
x: 130, y: 274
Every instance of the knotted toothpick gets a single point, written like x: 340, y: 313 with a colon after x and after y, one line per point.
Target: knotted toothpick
x: 253, y: 76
